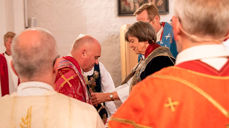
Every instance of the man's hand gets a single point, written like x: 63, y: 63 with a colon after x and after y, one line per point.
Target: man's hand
x: 97, y: 98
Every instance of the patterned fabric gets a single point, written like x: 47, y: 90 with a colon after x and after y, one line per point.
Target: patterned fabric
x: 4, y: 78
x: 157, y: 57
x: 150, y: 48
x: 94, y: 82
x: 145, y: 67
x: 167, y: 38
x: 188, y: 99
x: 69, y: 80
x: 45, y: 109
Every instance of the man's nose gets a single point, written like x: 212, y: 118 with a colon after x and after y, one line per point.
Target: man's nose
x: 97, y: 61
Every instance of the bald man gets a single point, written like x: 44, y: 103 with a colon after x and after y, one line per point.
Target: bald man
x: 36, y: 104
x: 69, y: 79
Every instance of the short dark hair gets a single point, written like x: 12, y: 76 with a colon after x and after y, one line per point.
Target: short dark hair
x: 151, y: 9
x: 143, y: 31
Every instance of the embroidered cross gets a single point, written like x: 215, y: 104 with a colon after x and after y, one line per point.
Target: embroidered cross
x: 161, y: 42
x: 168, y: 36
x: 171, y: 104
x: 66, y: 80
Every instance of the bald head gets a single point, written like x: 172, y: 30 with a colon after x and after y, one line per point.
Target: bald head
x: 84, y: 40
x: 86, y: 51
x: 33, y: 53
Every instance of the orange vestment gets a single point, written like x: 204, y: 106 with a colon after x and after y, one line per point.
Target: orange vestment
x: 176, y: 98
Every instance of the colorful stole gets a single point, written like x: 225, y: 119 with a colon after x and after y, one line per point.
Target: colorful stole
x: 149, y: 49
x: 4, y: 78
x: 167, y: 38
x: 70, y: 62
x: 157, y: 51
x: 94, y: 82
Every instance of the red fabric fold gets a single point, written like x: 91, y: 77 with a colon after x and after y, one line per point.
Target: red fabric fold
x: 4, y: 75
x: 150, y: 48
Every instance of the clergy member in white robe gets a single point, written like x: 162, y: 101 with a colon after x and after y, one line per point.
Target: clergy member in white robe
x: 36, y: 104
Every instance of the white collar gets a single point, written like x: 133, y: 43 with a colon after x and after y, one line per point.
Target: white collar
x: 33, y: 88
x: 202, y: 52
x: 89, y: 72
x: 159, y: 33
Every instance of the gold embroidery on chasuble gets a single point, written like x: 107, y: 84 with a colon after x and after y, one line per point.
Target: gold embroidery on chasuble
x: 130, y: 122
x: 198, y: 90
x: 171, y: 104
x: 66, y: 80
x: 26, y: 121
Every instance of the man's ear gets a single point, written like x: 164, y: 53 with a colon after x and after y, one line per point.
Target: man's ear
x: 176, y: 27
x: 84, y: 52
x: 156, y: 18
x: 226, y: 36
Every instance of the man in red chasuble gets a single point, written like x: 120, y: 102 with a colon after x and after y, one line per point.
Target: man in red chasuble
x: 69, y: 79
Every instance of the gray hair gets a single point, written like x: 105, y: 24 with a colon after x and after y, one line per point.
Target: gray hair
x: 33, y: 58
x: 203, y: 17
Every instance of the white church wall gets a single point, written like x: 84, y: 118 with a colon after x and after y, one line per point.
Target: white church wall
x: 12, y: 18
x: 68, y: 18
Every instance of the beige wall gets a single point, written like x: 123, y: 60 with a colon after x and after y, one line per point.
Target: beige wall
x: 68, y: 18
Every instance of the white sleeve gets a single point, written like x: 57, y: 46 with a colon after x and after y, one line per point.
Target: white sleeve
x: 123, y: 90
x: 106, y: 79
x: 107, y: 85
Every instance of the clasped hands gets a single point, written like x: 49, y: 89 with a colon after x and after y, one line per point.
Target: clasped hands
x: 97, y: 98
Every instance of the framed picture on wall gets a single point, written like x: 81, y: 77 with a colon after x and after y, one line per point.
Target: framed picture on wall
x: 128, y: 7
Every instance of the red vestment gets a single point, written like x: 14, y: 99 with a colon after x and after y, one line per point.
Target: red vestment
x: 69, y: 79
x: 189, y: 95
x: 4, y: 78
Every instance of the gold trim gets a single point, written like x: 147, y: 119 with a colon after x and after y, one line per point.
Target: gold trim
x: 201, y: 74
x: 198, y: 90
x: 26, y: 121
x: 66, y: 80
x: 227, y: 125
x: 125, y: 121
